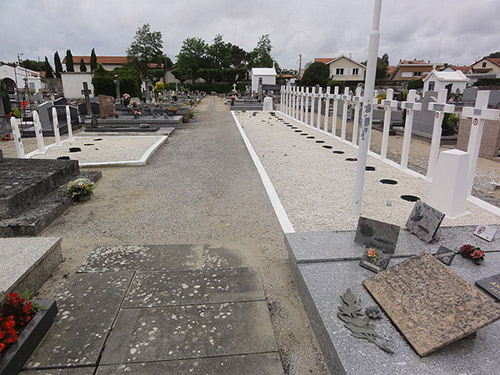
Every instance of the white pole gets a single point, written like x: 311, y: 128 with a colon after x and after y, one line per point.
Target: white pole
x: 345, y: 98
x: 410, y: 111
x: 55, y: 123
x: 327, y: 108
x: 306, y: 115
x: 302, y: 93
x: 68, y: 120
x: 367, y: 108
x: 313, y: 102
x: 355, y: 123
x: 318, y: 119
x: 14, y: 123
x: 297, y: 102
x: 282, y: 97
x: 387, y: 122
x: 39, y: 133
x: 336, y: 97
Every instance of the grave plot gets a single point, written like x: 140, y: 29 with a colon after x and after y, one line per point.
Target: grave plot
x: 106, y: 150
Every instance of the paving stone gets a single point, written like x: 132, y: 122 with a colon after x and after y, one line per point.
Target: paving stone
x: 143, y: 258
x: 430, y: 304
x: 323, y: 284
x: 261, y: 364
x: 87, y: 309
x: 183, y: 332
x: 64, y: 371
x: 187, y: 287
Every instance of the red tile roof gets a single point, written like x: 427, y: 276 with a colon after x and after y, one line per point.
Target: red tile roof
x: 324, y: 60
x: 464, y: 69
x: 495, y: 61
x: 105, y: 60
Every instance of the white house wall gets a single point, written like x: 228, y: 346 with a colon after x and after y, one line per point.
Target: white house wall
x: 266, y: 80
x: 348, y: 67
x: 73, y: 84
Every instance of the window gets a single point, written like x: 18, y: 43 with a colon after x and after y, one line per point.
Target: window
x: 355, y: 72
x: 417, y: 74
x: 406, y: 74
x: 432, y: 84
x: 484, y: 65
x: 339, y: 71
x: 32, y: 85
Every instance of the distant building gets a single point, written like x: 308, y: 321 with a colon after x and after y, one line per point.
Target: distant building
x: 437, y: 80
x: 268, y: 76
x: 20, y: 78
x: 108, y: 62
x: 72, y: 83
x: 343, y: 68
x: 485, y: 68
x: 408, y: 70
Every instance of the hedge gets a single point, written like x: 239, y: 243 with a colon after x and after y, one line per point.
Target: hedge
x: 130, y: 82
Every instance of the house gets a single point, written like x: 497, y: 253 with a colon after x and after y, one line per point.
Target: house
x: 20, y: 78
x: 268, y: 76
x: 343, y: 68
x: 72, y: 83
x: 108, y: 62
x: 437, y: 80
x: 485, y: 68
x: 408, y: 70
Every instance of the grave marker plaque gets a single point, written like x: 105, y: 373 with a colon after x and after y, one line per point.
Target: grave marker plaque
x: 377, y: 234
x: 485, y: 232
x: 374, y: 260
x: 424, y: 221
x: 491, y: 285
x: 430, y: 304
x: 445, y: 255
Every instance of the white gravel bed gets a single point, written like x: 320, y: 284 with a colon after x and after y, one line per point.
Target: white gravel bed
x: 316, y: 186
x: 106, y: 150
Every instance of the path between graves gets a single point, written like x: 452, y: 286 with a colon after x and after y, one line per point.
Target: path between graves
x: 200, y: 189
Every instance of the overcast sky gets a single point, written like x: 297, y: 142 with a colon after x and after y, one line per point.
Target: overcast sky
x: 456, y: 32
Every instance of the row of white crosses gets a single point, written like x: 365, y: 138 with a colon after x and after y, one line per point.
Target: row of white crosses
x: 42, y: 149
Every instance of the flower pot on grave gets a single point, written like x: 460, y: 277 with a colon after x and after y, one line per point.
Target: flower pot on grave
x: 82, y: 198
x: 18, y: 353
x: 171, y: 111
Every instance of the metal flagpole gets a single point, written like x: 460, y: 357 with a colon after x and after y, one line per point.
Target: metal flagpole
x: 367, y: 108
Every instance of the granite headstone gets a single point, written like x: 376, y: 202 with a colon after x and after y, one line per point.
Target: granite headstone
x: 377, y: 234
x: 424, y: 221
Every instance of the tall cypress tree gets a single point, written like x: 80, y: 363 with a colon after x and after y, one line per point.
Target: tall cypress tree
x: 57, y: 64
x: 48, y: 69
x: 83, y: 67
x: 93, y: 61
x: 69, y: 62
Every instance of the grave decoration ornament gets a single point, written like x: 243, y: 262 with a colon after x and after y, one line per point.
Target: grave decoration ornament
x: 357, y: 322
x: 126, y: 99
x: 472, y: 252
x: 81, y: 188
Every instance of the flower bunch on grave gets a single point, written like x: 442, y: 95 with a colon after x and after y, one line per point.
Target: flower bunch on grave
x: 126, y: 99
x: 472, y: 252
x: 80, y: 187
x: 15, y: 314
x: 7, y: 137
x: 372, y: 254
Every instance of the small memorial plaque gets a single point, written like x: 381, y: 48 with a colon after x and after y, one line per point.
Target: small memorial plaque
x: 374, y: 260
x: 377, y: 234
x: 491, y: 285
x: 445, y: 255
x: 486, y: 233
x: 424, y: 221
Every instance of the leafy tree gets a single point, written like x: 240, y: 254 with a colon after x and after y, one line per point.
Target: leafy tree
x: 93, y: 61
x: 192, y: 57
x: 316, y: 74
x: 83, y: 67
x: 70, y: 67
x: 382, y: 65
x: 48, y: 69
x: 260, y: 57
x: 239, y: 57
x: 220, y: 53
x: 37, y: 66
x: 146, y: 47
x: 57, y: 64
x: 494, y: 55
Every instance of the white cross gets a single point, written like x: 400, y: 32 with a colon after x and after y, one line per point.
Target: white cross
x: 39, y: 133
x: 389, y: 105
x: 306, y: 106
x: 319, y: 96
x: 327, y: 107
x: 440, y: 107
x: 410, y: 105
x: 346, y: 98
x: 70, y: 128
x: 302, y: 98
x: 55, y: 123
x: 357, y: 99
x: 335, y: 97
x: 479, y: 113
x: 14, y: 123
x: 313, y: 105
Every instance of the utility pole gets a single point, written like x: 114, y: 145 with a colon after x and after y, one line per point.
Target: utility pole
x: 300, y: 66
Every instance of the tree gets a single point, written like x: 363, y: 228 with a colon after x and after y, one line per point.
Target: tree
x: 48, y: 69
x: 69, y: 62
x: 382, y: 65
x: 316, y: 74
x: 239, y: 57
x: 260, y: 57
x: 192, y: 57
x: 83, y: 67
x: 494, y: 55
x: 37, y: 66
x: 93, y: 61
x: 220, y: 53
x: 57, y: 64
x: 147, y: 46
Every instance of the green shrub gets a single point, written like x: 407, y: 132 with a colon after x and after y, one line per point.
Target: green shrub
x: 450, y: 123
x: 103, y: 81
x: 495, y: 82
x: 415, y: 84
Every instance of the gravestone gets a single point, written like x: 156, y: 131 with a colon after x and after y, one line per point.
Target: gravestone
x: 424, y: 221
x: 268, y: 104
x: 491, y: 285
x: 106, y: 106
x: 423, y: 120
x: 430, y: 304
x: 490, y: 140
x: 377, y: 234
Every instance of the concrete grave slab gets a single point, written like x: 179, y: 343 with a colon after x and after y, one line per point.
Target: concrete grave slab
x: 27, y: 263
x: 61, y: 371
x: 321, y: 284
x: 187, y: 287
x: 431, y: 305
x: 182, y: 332
x: 143, y: 258
x: 87, y: 309
x: 424, y: 221
x: 261, y: 364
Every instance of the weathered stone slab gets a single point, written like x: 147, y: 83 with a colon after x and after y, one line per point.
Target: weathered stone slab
x: 61, y: 371
x: 261, y: 364
x: 377, y: 234
x: 188, y: 287
x: 431, y: 305
x: 183, y: 332
x: 87, y: 309
x: 143, y: 258
x: 424, y: 221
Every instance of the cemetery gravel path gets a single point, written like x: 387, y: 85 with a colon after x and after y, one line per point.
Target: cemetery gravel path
x: 201, y: 187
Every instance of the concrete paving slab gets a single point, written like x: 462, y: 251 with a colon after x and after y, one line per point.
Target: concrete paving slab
x: 61, y: 371
x: 100, y: 151
x: 143, y: 258
x: 28, y: 262
x: 326, y: 281
x: 188, y: 287
x: 252, y: 364
x: 182, y: 332
x: 87, y: 309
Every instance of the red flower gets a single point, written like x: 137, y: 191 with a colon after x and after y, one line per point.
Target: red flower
x: 467, y: 249
x: 477, y: 254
